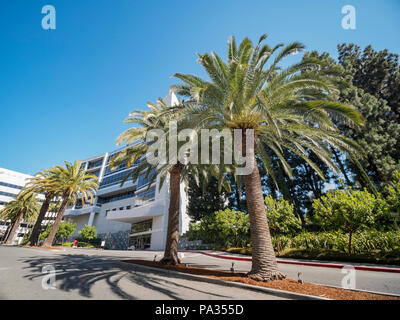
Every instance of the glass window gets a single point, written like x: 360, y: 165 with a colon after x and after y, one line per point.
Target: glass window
x: 143, y: 181
x: 140, y: 242
x: 142, y: 226
x: 10, y: 185
x: 145, y: 196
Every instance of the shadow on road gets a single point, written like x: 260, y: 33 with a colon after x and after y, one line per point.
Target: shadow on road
x: 81, y: 272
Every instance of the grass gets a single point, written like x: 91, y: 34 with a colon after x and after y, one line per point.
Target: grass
x: 376, y: 257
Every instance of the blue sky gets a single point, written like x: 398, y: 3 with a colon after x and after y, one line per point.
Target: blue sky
x: 64, y: 93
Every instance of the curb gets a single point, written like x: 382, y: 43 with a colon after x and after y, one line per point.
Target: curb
x: 275, y: 292
x: 310, y: 264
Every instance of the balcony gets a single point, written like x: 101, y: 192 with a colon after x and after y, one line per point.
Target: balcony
x: 141, y: 211
x: 86, y: 209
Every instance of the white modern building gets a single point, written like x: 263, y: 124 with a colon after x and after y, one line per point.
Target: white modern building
x: 134, y: 214
x: 11, y: 183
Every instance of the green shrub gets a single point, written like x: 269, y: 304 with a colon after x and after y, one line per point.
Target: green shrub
x: 281, y: 218
x: 352, y: 211
x: 88, y: 233
x: 363, y: 242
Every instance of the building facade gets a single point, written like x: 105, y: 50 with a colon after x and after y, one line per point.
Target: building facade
x: 134, y: 215
x: 11, y: 184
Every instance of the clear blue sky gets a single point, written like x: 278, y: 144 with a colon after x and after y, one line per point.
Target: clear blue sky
x: 64, y: 93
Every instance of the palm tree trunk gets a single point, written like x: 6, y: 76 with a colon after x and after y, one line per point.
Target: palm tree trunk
x: 264, y: 266
x: 34, y: 238
x: 14, y: 228
x: 49, y: 240
x: 171, y: 248
x: 7, y: 233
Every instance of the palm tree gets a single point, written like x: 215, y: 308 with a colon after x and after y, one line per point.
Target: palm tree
x: 159, y: 117
x: 42, y: 182
x: 73, y: 183
x: 24, y: 208
x: 288, y: 108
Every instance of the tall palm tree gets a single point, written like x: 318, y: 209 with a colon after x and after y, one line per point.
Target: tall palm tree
x: 159, y: 117
x: 288, y: 108
x: 24, y: 208
x: 74, y: 183
x: 42, y: 182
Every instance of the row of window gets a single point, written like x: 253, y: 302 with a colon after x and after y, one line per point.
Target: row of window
x: 120, y: 208
x: 114, y: 179
x: 7, y: 194
x: 10, y: 185
x: 95, y: 164
x: 140, y: 199
x: 116, y: 197
x: 142, y: 226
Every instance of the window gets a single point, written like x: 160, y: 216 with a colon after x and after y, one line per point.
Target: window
x: 142, y: 226
x: 107, y: 211
x: 116, y: 197
x: 96, y: 163
x: 115, y: 209
x: 128, y: 207
x: 140, y: 242
x: 121, y: 208
x: 143, y: 181
x: 114, y: 179
x: 145, y: 196
x: 10, y: 185
x: 13, y: 195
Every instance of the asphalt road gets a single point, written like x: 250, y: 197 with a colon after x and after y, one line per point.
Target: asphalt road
x: 94, y: 274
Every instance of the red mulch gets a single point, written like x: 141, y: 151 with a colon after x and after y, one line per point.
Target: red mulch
x: 286, y: 284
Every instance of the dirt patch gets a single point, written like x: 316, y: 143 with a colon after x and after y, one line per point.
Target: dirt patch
x: 286, y: 284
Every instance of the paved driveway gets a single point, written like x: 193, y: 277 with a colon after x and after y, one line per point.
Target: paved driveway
x: 93, y: 274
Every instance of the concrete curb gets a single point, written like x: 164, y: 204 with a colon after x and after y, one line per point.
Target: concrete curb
x: 304, y: 263
x: 275, y: 292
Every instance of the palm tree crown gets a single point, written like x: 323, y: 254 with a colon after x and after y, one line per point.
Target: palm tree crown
x: 290, y: 109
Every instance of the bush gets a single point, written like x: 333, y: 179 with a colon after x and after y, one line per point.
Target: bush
x: 352, y: 211
x: 88, y: 233
x: 363, y: 242
x: 281, y: 218
x: 223, y: 228
x: 65, y: 230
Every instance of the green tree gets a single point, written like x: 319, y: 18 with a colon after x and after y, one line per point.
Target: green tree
x: 74, y: 184
x: 281, y: 217
x: 351, y: 211
x: 232, y: 224
x: 223, y: 228
x: 65, y: 230
x: 288, y: 109
x: 393, y: 194
x: 159, y: 118
x: 376, y: 75
x: 42, y: 183
x: 24, y: 208
x: 206, y: 200
x: 88, y: 233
